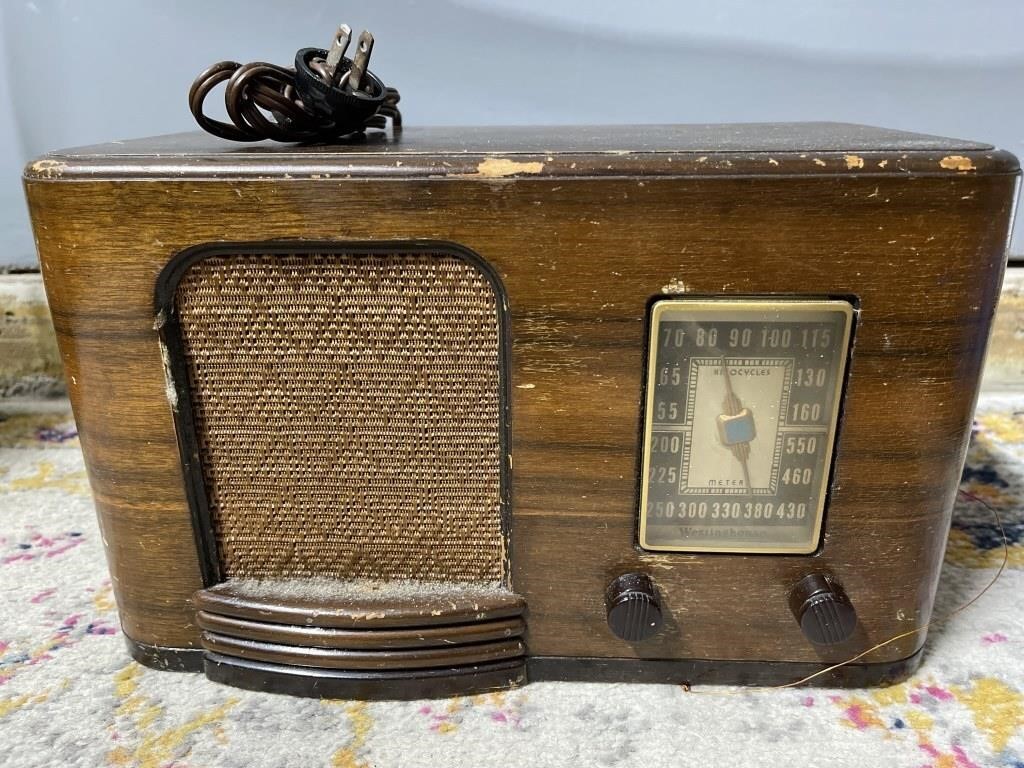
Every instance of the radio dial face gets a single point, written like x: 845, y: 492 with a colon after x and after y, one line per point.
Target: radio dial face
x: 742, y: 406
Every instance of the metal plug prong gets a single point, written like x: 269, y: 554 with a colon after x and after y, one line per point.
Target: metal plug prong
x: 337, y: 51
x: 361, y: 60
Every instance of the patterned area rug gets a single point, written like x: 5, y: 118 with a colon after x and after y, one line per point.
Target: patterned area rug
x: 70, y: 696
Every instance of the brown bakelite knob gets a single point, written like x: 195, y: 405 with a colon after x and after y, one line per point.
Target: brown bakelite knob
x: 634, y: 610
x: 822, y: 609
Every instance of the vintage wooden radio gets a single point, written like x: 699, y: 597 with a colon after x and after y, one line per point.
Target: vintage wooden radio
x: 452, y: 409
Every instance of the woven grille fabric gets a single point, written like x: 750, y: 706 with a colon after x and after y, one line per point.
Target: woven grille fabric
x: 347, y: 411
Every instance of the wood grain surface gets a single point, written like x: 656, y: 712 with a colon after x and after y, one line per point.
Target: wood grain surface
x: 582, y: 244
x: 354, y: 639
x: 386, y: 608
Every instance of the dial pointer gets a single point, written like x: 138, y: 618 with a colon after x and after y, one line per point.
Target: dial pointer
x: 736, y: 427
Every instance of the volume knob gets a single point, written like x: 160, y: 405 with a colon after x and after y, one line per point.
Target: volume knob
x: 822, y: 609
x: 634, y: 610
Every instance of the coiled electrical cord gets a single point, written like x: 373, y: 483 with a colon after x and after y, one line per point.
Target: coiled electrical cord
x: 326, y: 96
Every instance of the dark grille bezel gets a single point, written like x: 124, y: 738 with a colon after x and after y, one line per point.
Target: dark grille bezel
x: 177, y: 369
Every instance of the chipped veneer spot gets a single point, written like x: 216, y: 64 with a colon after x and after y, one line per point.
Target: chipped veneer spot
x: 956, y: 163
x: 48, y: 169
x: 169, y: 389
x: 853, y: 161
x: 499, y: 167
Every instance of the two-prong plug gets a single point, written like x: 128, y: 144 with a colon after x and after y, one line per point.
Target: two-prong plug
x: 336, y: 87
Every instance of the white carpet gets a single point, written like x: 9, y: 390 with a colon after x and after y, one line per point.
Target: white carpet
x: 70, y: 696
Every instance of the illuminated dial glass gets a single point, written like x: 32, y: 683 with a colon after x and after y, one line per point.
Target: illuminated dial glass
x: 740, y: 423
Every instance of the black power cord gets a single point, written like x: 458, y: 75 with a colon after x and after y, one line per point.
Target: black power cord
x: 326, y: 96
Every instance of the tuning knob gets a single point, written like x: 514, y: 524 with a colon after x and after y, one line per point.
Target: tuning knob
x: 634, y: 610
x: 822, y: 609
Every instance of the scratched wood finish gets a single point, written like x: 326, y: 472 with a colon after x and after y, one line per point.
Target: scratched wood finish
x: 331, y: 658
x: 381, y: 611
x: 361, y: 639
x: 583, y: 235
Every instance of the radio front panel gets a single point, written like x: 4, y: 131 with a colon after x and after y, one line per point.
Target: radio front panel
x: 445, y: 415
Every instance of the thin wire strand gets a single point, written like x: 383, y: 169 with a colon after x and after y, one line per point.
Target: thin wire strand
x: 893, y: 639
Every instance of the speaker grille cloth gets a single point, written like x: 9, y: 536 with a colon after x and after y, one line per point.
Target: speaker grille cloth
x: 347, y: 412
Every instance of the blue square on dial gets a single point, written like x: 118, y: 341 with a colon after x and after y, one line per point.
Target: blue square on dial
x: 737, y: 429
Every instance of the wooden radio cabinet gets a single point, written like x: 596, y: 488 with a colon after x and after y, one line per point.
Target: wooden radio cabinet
x: 452, y: 409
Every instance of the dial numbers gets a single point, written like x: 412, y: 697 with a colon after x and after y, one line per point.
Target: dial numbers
x: 742, y: 405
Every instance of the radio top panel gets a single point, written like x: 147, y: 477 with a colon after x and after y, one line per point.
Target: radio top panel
x: 486, y: 153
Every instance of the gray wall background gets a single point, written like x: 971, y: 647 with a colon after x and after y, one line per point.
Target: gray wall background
x: 82, y: 71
